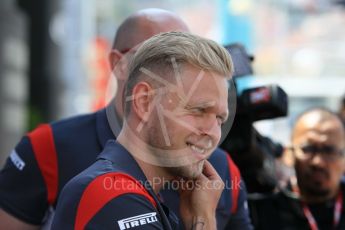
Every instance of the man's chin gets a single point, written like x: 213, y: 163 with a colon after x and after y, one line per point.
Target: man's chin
x: 190, y: 172
x: 196, y: 170
x: 318, y: 192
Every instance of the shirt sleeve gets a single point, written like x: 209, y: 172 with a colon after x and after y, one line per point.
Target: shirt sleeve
x: 98, y: 200
x: 22, y: 189
x: 123, y: 212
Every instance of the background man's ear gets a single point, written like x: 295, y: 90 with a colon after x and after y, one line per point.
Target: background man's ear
x: 117, y: 63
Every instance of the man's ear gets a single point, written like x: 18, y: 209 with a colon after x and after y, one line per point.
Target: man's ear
x: 143, y: 100
x: 116, y: 61
x: 288, y: 157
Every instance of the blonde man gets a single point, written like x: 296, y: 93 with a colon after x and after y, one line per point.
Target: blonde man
x: 176, y: 102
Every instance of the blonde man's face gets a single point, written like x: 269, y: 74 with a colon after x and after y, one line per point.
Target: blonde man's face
x: 188, y: 124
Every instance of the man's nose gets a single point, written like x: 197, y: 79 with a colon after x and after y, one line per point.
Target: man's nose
x: 317, y: 159
x: 210, y: 126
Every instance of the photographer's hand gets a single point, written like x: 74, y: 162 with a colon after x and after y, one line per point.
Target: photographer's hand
x: 198, y: 205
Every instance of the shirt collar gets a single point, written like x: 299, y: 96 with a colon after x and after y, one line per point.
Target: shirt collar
x: 122, y: 160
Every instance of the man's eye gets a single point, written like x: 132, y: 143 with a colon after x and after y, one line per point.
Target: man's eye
x: 220, y: 120
x: 308, y: 149
x: 198, y: 110
x: 328, y: 149
x: 314, y: 149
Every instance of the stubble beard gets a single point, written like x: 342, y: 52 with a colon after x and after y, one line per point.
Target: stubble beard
x: 188, y: 172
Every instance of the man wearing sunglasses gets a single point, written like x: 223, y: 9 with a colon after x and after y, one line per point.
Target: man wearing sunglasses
x: 314, y: 198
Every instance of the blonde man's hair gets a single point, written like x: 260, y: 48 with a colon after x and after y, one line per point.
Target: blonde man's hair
x: 158, y: 53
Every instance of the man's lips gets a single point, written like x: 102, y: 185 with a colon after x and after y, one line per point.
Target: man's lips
x: 200, y: 148
x: 318, y: 175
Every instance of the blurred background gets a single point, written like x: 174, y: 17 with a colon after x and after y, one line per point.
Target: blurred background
x: 53, y: 54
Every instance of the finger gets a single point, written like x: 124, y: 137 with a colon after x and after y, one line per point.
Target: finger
x: 209, y: 171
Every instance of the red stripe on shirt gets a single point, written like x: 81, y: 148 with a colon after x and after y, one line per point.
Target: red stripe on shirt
x: 42, y: 142
x: 235, y: 177
x: 103, y: 189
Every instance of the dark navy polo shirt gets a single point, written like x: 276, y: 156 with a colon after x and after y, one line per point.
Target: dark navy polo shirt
x: 78, y: 141
x: 113, y: 193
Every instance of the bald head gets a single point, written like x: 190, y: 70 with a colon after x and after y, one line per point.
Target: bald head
x: 144, y: 24
x: 137, y: 28
x: 321, y: 120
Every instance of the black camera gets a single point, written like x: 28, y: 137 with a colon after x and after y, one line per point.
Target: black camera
x: 253, y: 153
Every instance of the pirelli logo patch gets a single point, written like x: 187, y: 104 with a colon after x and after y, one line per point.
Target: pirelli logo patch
x: 136, y: 221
